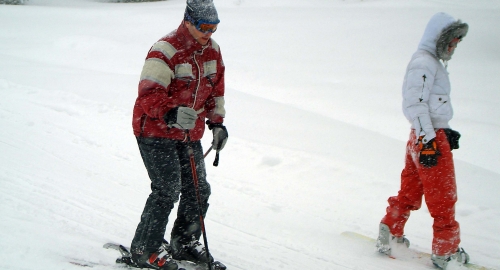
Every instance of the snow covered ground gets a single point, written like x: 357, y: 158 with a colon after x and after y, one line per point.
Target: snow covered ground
x: 313, y: 111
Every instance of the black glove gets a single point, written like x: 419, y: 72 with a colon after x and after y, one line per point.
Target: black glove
x: 428, y: 153
x: 181, y: 118
x: 453, y: 137
x: 220, y: 136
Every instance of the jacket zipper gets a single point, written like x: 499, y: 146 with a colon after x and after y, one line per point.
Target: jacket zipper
x: 423, y: 87
x: 198, y: 75
x: 195, y: 94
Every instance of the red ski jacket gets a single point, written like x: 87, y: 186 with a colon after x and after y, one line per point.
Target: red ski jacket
x: 179, y: 71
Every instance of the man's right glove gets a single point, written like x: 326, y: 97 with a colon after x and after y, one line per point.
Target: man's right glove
x: 181, y: 118
x: 220, y: 136
x: 428, y: 153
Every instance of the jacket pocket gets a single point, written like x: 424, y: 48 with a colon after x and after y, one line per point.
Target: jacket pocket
x: 210, y: 69
x: 439, y: 104
x: 182, y: 82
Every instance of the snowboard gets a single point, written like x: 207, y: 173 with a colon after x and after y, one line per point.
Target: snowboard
x: 183, y: 265
x: 404, y: 253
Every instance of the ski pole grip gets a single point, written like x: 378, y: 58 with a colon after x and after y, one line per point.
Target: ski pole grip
x: 216, y: 161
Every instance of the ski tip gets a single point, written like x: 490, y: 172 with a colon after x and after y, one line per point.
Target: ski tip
x: 109, y: 245
x: 218, y: 266
x: 122, y: 249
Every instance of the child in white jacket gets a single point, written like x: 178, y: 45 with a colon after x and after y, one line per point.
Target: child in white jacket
x: 429, y: 168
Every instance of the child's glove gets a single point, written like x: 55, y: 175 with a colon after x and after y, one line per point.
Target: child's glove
x: 428, y: 153
x: 453, y: 137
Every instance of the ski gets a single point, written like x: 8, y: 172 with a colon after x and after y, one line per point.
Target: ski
x: 190, y: 265
x: 91, y: 264
x: 126, y: 259
x: 82, y: 263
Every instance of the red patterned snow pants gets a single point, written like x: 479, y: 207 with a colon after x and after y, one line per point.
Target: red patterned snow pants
x: 439, y: 188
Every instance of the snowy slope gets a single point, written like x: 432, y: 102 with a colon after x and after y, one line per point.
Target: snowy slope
x: 316, y: 130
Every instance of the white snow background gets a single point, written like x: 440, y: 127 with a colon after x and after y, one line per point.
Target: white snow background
x: 317, y: 135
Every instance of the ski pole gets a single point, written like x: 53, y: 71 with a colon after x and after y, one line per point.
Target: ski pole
x: 216, y: 161
x: 208, y: 152
x: 198, y: 197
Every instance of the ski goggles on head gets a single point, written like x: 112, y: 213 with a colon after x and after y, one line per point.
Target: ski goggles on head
x: 202, y: 25
x: 206, y: 27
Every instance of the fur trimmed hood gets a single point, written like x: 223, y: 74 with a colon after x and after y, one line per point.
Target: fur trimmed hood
x: 440, y: 30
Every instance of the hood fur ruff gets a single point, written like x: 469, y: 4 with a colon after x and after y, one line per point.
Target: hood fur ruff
x: 440, y: 30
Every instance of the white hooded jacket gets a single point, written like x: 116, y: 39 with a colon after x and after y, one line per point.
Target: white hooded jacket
x: 426, y: 86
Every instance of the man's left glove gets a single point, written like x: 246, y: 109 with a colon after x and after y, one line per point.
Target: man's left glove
x: 428, y: 153
x: 220, y: 136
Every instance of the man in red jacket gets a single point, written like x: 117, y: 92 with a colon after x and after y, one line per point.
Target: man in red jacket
x: 181, y: 86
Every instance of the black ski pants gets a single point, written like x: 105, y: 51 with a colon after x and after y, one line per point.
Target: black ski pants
x: 169, y: 168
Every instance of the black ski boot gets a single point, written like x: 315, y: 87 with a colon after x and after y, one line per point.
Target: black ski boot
x: 160, y: 259
x: 193, y: 251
